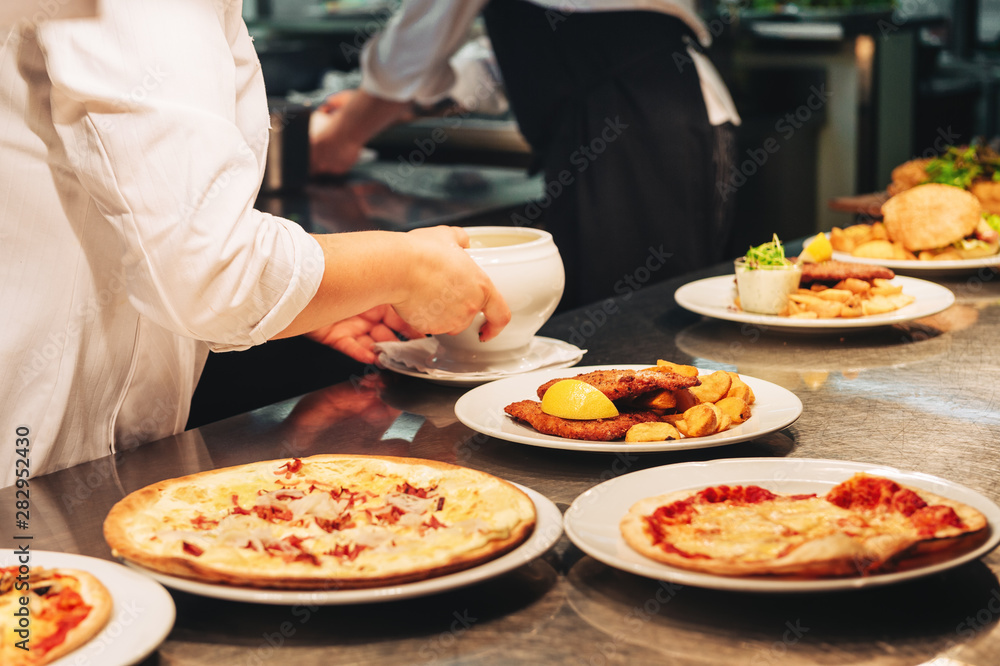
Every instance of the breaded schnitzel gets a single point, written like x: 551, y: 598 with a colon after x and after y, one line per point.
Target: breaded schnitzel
x: 603, y: 430
x: 617, y: 384
x: 835, y: 271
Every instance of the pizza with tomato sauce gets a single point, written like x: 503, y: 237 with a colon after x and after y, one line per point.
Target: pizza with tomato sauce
x: 323, y: 522
x: 65, y: 608
x: 865, y: 525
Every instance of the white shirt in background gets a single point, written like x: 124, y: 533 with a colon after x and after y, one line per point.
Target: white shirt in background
x: 131, y: 150
x: 409, y: 59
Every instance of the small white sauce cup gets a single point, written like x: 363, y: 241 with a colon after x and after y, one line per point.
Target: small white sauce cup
x: 765, y: 289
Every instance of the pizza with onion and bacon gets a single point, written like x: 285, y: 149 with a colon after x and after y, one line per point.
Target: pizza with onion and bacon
x: 867, y: 524
x: 323, y: 522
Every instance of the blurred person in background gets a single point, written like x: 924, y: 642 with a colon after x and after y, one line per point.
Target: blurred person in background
x: 132, y: 148
x: 628, y: 120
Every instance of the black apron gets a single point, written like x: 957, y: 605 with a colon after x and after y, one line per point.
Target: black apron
x: 612, y: 106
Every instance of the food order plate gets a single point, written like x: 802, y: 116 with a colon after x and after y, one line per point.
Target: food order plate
x: 482, y: 410
x: 943, y: 267
x: 592, y: 521
x: 548, y: 529
x: 713, y: 297
x: 142, y: 616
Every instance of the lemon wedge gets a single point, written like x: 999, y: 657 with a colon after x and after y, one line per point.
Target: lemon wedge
x: 573, y: 399
x: 816, y: 250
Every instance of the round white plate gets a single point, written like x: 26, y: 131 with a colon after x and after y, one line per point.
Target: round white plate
x: 548, y: 529
x: 713, y: 297
x: 944, y: 267
x: 592, y: 521
x: 475, y: 378
x: 482, y: 410
x: 142, y: 616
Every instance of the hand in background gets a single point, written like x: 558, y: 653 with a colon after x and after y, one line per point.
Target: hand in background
x: 356, y: 336
x: 343, y: 123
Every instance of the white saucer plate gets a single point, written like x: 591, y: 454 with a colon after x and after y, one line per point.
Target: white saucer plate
x: 713, y: 297
x: 142, y: 616
x: 473, y: 377
x: 592, y: 521
x: 548, y: 529
x: 482, y: 409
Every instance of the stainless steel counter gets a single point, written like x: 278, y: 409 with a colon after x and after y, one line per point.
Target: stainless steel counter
x: 924, y: 396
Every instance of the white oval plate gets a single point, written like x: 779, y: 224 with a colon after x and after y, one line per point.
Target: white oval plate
x: 954, y: 266
x: 482, y: 410
x: 592, y: 521
x: 713, y: 297
x: 548, y: 529
x: 142, y: 616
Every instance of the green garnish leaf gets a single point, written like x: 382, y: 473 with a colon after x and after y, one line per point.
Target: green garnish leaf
x: 993, y: 220
x: 768, y: 254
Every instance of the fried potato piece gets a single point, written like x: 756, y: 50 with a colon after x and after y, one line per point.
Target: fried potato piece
x: 735, y: 408
x: 725, y: 423
x: 875, y: 249
x: 824, y: 309
x: 651, y: 432
x: 713, y: 388
x: 854, y: 285
x: 685, y: 400
x: 685, y: 370
x: 660, y: 400
x: 740, y: 389
x: 839, y: 295
x: 700, y: 420
x: 878, y: 305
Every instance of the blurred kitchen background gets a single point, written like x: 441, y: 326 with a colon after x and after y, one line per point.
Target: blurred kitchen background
x: 901, y: 81
x: 848, y: 89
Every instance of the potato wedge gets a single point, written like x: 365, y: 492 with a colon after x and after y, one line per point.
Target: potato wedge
x: 725, y: 423
x: 740, y: 389
x: 686, y: 370
x: 651, y: 431
x: 735, y: 408
x: 713, y: 388
x: 700, y: 420
x: 659, y: 400
x: 685, y: 399
x: 874, y: 249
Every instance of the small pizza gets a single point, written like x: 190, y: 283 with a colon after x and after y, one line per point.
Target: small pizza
x: 323, y: 522
x: 65, y: 608
x: 864, y: 525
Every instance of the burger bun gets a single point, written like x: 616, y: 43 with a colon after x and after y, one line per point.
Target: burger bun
x: 931, y: 216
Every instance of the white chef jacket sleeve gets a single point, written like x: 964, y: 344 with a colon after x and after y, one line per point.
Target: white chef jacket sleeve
x: 408, y: 60
x: 167, y: 137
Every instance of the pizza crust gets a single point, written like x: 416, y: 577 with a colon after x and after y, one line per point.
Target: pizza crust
x: 830, y: 555
x: 99, y: 599
x: 504, y: 511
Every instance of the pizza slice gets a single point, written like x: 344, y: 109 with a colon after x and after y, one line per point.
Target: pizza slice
x: 864, y: 525
x: 65, y: 609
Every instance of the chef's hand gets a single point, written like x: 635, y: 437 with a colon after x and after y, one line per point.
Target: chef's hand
x: 448, y: 288
x: 343, y: 123
x: 356, y: 336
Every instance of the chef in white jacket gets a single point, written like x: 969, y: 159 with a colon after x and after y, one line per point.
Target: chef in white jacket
x: 131, y: 150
